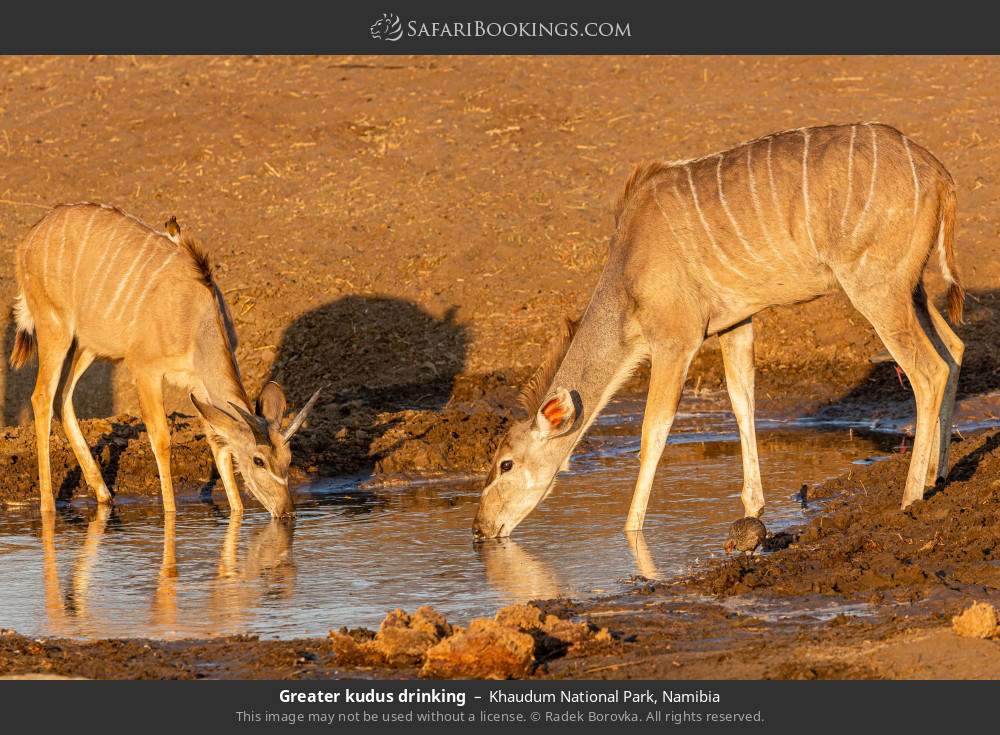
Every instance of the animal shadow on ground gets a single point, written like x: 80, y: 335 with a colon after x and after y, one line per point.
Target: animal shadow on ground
x: 881, y: 391
x: 93, y: 398
x: 108, y: 451
x: 980, y: 364
x: 371, y: 355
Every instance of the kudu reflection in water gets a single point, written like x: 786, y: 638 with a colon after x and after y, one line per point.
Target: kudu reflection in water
x: 236, y: 590
x: 519, y: 575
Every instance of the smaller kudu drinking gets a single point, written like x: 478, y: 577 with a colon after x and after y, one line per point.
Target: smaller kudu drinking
x: 95, y: 282
x: 701, y: 246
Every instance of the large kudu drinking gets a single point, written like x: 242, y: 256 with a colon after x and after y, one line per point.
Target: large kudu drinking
x: 95, y: 282
x: 700, y: 247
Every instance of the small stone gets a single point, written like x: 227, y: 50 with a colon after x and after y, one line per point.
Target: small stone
x: 347, y: 650
x: 430, y: 620
x: 978, y: 621
x: 522, y: 617
x: 566, y: 630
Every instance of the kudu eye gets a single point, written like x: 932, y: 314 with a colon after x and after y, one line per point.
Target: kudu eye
x: 506, y: 465
x: 258, y: 462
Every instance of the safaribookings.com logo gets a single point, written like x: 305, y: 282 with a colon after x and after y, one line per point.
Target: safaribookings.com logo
x: 390, y: 28
x: 387, y: 28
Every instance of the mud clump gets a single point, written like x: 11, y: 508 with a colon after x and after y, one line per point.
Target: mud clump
x: 512, y: 645
x: 401, y: 640
x: 487, y: 650
x: 980, y: 620
x: 530, y: 619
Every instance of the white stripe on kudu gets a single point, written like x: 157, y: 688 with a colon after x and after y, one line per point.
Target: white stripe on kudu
x: 871, y: 184
x: 720, y: 254
x: 61, y: 256
x: 84, y: 242
x: 850, y: 179
x: 149, y: 283
x: 140, y: 252
x: 673, y: 230
x: 729, y: 212
x: 916, y: 179
x: 805, y: 190
x: 98, y: 276
x: 44, y: 248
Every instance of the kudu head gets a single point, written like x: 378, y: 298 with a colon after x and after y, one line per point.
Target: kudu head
x: 259, y: 444
x: 533, y: 451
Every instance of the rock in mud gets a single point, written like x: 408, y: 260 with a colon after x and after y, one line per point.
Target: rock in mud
x: 978, y: 621
x: 350, y: 649
x: 487, y: 650
x: 402, y: 639
x: 520, y: 616
x: 530, y: 619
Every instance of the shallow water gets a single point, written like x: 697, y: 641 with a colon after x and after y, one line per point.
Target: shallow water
x: 352, y: 555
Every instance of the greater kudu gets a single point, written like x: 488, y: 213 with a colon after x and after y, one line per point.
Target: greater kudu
x: 701, y: 246
x: 98, y: 283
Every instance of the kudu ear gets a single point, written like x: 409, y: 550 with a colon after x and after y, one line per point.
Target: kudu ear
x: 173, y: 230
x: 256, y: 424
x: 557, y: 414
x: 300, y: 417
x: 221, y: 420
x: 271, y: 404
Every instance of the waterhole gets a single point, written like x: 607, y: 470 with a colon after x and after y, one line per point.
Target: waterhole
x: 351, y: 555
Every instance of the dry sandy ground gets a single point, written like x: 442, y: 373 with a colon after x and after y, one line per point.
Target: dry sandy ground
x: 407, y: 231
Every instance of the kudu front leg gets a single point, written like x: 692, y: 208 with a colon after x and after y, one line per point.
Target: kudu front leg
x: 668, y: 369
x: 737, y: 357
x: 224, y: 463
x: 150, y: 388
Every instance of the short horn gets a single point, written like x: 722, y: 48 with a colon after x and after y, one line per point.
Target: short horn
x: 300, y: 417
x: 255, y: 424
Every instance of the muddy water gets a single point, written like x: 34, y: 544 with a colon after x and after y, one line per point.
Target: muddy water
x: 352, y: 555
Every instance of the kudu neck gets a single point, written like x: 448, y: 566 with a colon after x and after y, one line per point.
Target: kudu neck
x: 603, y: 353
x: 219, y: 373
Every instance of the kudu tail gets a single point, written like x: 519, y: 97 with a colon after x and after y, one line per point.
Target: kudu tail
x: 24, y: 339
x: 946, y: 252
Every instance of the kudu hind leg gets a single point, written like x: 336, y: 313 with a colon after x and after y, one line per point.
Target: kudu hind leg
x: 668, y: 370
x: 737, y: 357
x: 53, y: 344
x: 951, y: 349
x: 150, y: 388
x: 898, y: 326
x: 81, y: 360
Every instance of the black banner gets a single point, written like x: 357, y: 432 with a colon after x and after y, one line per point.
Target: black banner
x: 478, y: 706
x: 451, y: 27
